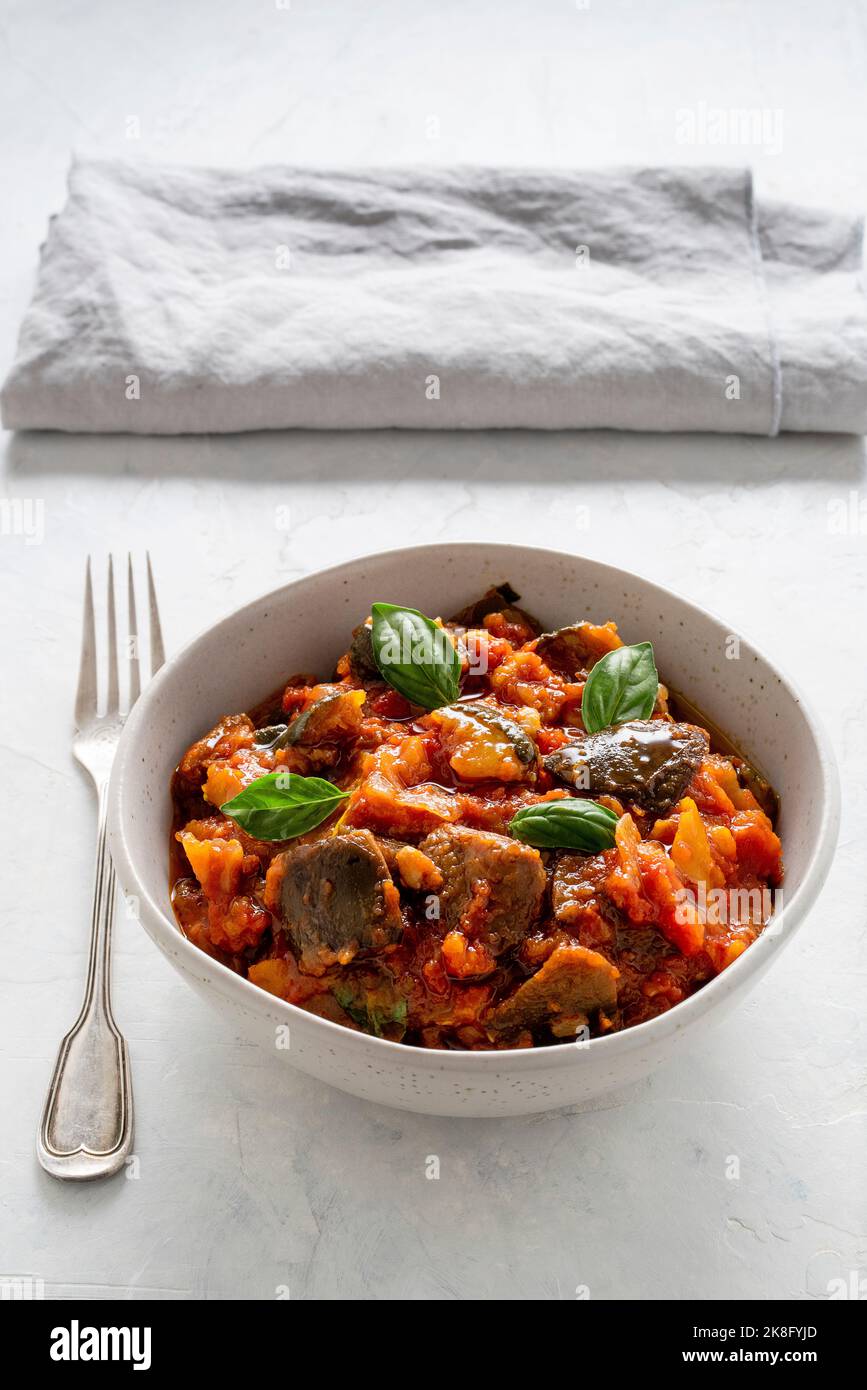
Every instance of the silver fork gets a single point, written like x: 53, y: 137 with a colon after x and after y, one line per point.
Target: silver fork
x: 87, y: 1123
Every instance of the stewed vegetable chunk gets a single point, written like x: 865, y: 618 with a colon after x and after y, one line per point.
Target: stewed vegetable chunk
x: 483, y: 743
x: 335, y: 897
x: 572, y: 984
x: 577, y: 648
x: 492, y: 885
x: 647, y: 761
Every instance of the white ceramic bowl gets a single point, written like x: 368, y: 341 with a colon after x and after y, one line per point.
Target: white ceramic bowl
x: 305, y: 626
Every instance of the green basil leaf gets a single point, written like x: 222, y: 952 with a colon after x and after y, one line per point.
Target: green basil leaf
x: 623, y: 685
x: 570, y: 823
x: 282, y: 805
x: 417, y: 658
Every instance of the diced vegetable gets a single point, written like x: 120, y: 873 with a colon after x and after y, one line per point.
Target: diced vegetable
x: 496, y: 611
x: 222, y: 783
x: 572, y: 983
x: 395, y: 796
x: 330, y: 716
x: 238, y: 924
x: 417, y: 871
x: 335, y: 897
x: 232, y: 733
x: 648, y: 888
x: 217, y: 864
x: 465, y: 959
x: 571, y: 650
x: 524, y: 679
x: 483, y: 745
x: 649, y: 762
x: 758, y: 847
x: 492, y: 886
x: 691, y: 848
x: 362, y: 662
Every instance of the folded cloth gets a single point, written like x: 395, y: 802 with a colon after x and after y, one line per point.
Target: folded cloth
x: 173, y: 301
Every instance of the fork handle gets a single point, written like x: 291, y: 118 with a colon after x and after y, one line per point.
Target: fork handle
x: 86, y: 1126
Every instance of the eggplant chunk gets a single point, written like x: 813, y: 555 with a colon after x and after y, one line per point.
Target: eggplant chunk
x: 499, y: 599
x: 362, y: 662
x: 483, y: 744
x: 572, y: 984
x: 492, y: 885
x: 335, y: 896
x: 646, y: 761
x: 333, y: 716
x: 577, y: 648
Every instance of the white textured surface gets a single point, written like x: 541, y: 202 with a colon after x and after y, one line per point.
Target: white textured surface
x: 249, y: 1181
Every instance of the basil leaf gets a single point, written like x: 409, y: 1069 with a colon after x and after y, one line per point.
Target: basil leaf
x: 282, y: 805
x: 416, y: 657
x: 570, y: 823
x: 623, y: 685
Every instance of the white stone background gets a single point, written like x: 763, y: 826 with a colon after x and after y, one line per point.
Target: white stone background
x: 252, y: 1177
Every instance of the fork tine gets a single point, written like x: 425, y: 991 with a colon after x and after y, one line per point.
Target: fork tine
x: 85, y: 699
x: 158, y: 655
x: 134, y: 662
x: 112, y: 703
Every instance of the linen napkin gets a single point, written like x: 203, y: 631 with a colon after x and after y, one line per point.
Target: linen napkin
x: 173, y: 300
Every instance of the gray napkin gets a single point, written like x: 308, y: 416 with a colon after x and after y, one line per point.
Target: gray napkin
x: 174, y: 300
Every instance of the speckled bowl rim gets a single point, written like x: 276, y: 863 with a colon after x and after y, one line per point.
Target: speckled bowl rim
x: 655, y: 1030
